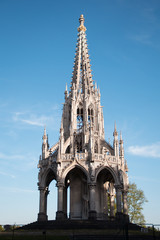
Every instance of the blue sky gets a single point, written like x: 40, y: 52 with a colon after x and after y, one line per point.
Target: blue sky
x: 37, y: 46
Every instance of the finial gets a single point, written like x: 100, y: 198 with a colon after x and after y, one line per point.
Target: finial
x: 44, y: 135
x: 99, y: 94
x: 120, y: 135
x: 81, y: 21
x: 44, y: 130
x: 115, y: 134
x: 95, y: 85
x: 115, y: 129
x: 66, y: 87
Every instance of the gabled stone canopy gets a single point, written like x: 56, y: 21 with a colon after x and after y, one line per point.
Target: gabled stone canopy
x: 82, y: 160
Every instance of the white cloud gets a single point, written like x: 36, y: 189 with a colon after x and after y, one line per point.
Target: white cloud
x: 21, y: 190
x: 31, y: 119
x: 149, y: 14
x: 7, y: 175
x: 24, y: 162
x: 17, y: 190
x: 35, y: 120
x: 142, y: 38
x: 152, y: 150
x: 11, y: 157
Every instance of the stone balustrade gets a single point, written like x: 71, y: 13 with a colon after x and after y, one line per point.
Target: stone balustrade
x: 84, y: 156
x: 81, y: 156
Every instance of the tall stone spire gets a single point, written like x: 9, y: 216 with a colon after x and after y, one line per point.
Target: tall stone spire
x: 82, y: 104
x: 82, y: 77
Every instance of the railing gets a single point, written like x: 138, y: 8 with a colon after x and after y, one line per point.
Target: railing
x: 84, y: 156
x: 80, y: 156
x: 104, y: 157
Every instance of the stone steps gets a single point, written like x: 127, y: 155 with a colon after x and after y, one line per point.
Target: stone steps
x: 79, y: 224
x: 95, y: 230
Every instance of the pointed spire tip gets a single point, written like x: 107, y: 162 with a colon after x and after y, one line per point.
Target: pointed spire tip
x: 81, y: 21
x: 120, y: 135
x: 115, y: 128
x: 45, y: 130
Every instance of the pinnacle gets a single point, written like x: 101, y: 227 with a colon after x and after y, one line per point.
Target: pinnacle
x: 45, y: 130
x: 115, y: 128
x: 44, y: 135
x: 66, y: 87
x: 120, y: 135
x: 115, y: 133
x: 81, y: 19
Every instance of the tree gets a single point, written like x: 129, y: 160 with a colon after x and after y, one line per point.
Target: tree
x: 136, y: 200
x: 1, y: 228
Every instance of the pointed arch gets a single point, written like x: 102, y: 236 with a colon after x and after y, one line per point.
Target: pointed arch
x: 79, y: 116
x: 110, y: 170
x: 48, y: 176
x: 71, y: 167
x: 67, y: 144
x: 90, y: 113
x: 77, y: 196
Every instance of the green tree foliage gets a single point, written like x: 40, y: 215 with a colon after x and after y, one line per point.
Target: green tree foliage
x: 136, y: 200
x: 1, y: 228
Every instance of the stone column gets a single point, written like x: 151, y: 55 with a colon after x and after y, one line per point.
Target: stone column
x: 112, y: 199
x: 118, y: 199
x: 65, y: 201
x: 105, y: 205
x: 46, y: 196
x: 42, y: 216
x: 112, y: 205
x: 125, y: 205
x: 60, y: 210
x: 92, y: 199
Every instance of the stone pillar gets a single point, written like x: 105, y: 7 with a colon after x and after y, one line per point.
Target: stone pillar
x: 60, y: 211
x: 112, y: 205
x: 92, y: 199
x: 42, y: 216
x: 119, y: 199
x: 46, y: 196
x: 65, y: 201
x: 105, y: 204
x: 125, y: 205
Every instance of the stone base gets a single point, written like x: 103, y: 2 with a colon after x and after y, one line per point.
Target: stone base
x: 92, y: 215
x: 42, y: 217
x: 60, y: 215
x: 124, y: 218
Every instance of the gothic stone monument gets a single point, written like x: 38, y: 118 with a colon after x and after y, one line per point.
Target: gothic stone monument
x: 82, y: 160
